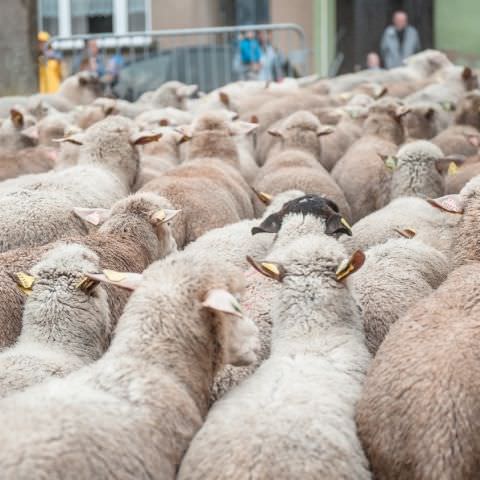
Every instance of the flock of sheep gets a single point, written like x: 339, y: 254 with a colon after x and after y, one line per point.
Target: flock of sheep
x: 183, y: 294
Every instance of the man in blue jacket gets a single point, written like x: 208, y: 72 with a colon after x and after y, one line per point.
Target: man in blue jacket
x: 250, y: 54
x: 399, y: 41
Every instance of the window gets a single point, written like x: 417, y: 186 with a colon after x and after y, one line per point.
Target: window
x: 137, y: 16
x: 92, y: 16
x: 48, y: 16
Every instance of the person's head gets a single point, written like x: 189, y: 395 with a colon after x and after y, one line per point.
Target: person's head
x: 92, y: 47
x: 373, y: 60
x: 43, y: 38
x: 400, y: 19
x: 250, y: 35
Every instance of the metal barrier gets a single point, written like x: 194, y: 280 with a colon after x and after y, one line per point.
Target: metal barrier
x: 209, y: 57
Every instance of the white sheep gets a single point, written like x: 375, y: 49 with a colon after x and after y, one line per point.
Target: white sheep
x: 294, y: 418
x: 143, y: 401
x: 36, y: 209
x: 66, y: 320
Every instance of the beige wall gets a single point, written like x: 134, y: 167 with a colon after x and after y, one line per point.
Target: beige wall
x: 168, y: 14
x: 300, y: 12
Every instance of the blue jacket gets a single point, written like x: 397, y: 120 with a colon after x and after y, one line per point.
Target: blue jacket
x: 250, y: 51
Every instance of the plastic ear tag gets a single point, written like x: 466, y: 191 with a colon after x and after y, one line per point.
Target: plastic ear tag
x: 452, y: 168
x: 114, y: 276
x: 344, y: 269
x: 160, y: 215
x: 86, y: 284
x: 271, y: 267
x: 345, y: 223
x: 390, y: 163
x: 25, y: 282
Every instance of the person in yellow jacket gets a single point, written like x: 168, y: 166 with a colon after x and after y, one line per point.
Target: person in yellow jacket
x: 49, y: 65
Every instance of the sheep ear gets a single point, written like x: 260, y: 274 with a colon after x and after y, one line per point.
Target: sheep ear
x: 390, y: 161
x: 467, y: 73
x: 243, y: 128
x: 337, y: 225
x: 164, y: 122
x: 324, y: 130
x: 448, y: 203
x: 449, y: 164
x: 164, y: 216
x: 401, y: 111
x: 406, y: 232
x: 24, y: 282
x: 186, y: 132
x: 275, y: 133
x: 379, y: 91
x: 95, y: 216
x: 351, y: 265
x: 269, y: 269
x: 254, y: 119
x: 109, y: 109
x: 429, y: 114
x: 76, y: 139
x: 16, y: 116
x: 224, y: 98
x: 126, y: 280
x: 271, y: 224
x: 265, y: 198
x: 186, y: 91
x: 142, y: 138
x: 222, y: 301
x: 31, y: 133
x: 474, y: 140
x: 239, y: 336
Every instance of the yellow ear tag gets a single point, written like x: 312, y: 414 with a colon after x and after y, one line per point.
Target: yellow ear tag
x: 86, y: 284
x: 390, y: 163
x: 265, y: 197
x: 452, y: 168
x: 25, y: 282
x: 345, y: 269
x: 345, y: 223
x: 160, y: 216
x: 114, y: 276
x: 272, y: 268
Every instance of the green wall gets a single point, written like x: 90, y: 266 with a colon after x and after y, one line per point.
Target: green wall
x: 324, y: 28
x: 457, y: 26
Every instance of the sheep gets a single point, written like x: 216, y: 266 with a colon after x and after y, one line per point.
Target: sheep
x: 417, y: 170
x: 48, y: 129
x: 432, y: 226
x: 12, y: 130
x: 465, y: 205
x: 131, y: 235
x: 395, y: 275
x: 170, y: 94
x: 425, y: 120
x: 143, y: 401
x: 360, y: 173
x: 455, y: 82
x: 458, y: 140
x: 299, y: 217
x: 468, y: 110
x: 122, y: 107
x: 294, y: 418
x: 457, y: 178
x: 234, y: 242
x: 417, y: 416
x: 26, y: 160
x: 164, y: 116
x: 79, y: 89
x: 297, y: 166
x: 36, y: 208
x: 66, y: 320
x: 160, y: 156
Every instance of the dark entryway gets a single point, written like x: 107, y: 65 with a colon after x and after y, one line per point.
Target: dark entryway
x: 360, y: 24
x: 245, y: 12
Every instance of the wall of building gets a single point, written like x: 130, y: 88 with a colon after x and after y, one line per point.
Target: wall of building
x: 18, y: 33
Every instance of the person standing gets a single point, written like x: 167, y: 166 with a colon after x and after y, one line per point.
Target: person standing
x: 399, y: 41
x: 250, y: 55
x: 49, y: 65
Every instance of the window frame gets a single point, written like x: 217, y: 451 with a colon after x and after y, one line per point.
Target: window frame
x: 120, y: 23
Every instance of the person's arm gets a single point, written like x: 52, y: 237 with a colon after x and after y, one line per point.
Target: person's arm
x: 384, y: 48
x: 418, y: 45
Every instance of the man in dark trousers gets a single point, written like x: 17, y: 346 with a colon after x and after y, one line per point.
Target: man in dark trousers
x: 399, y: 41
